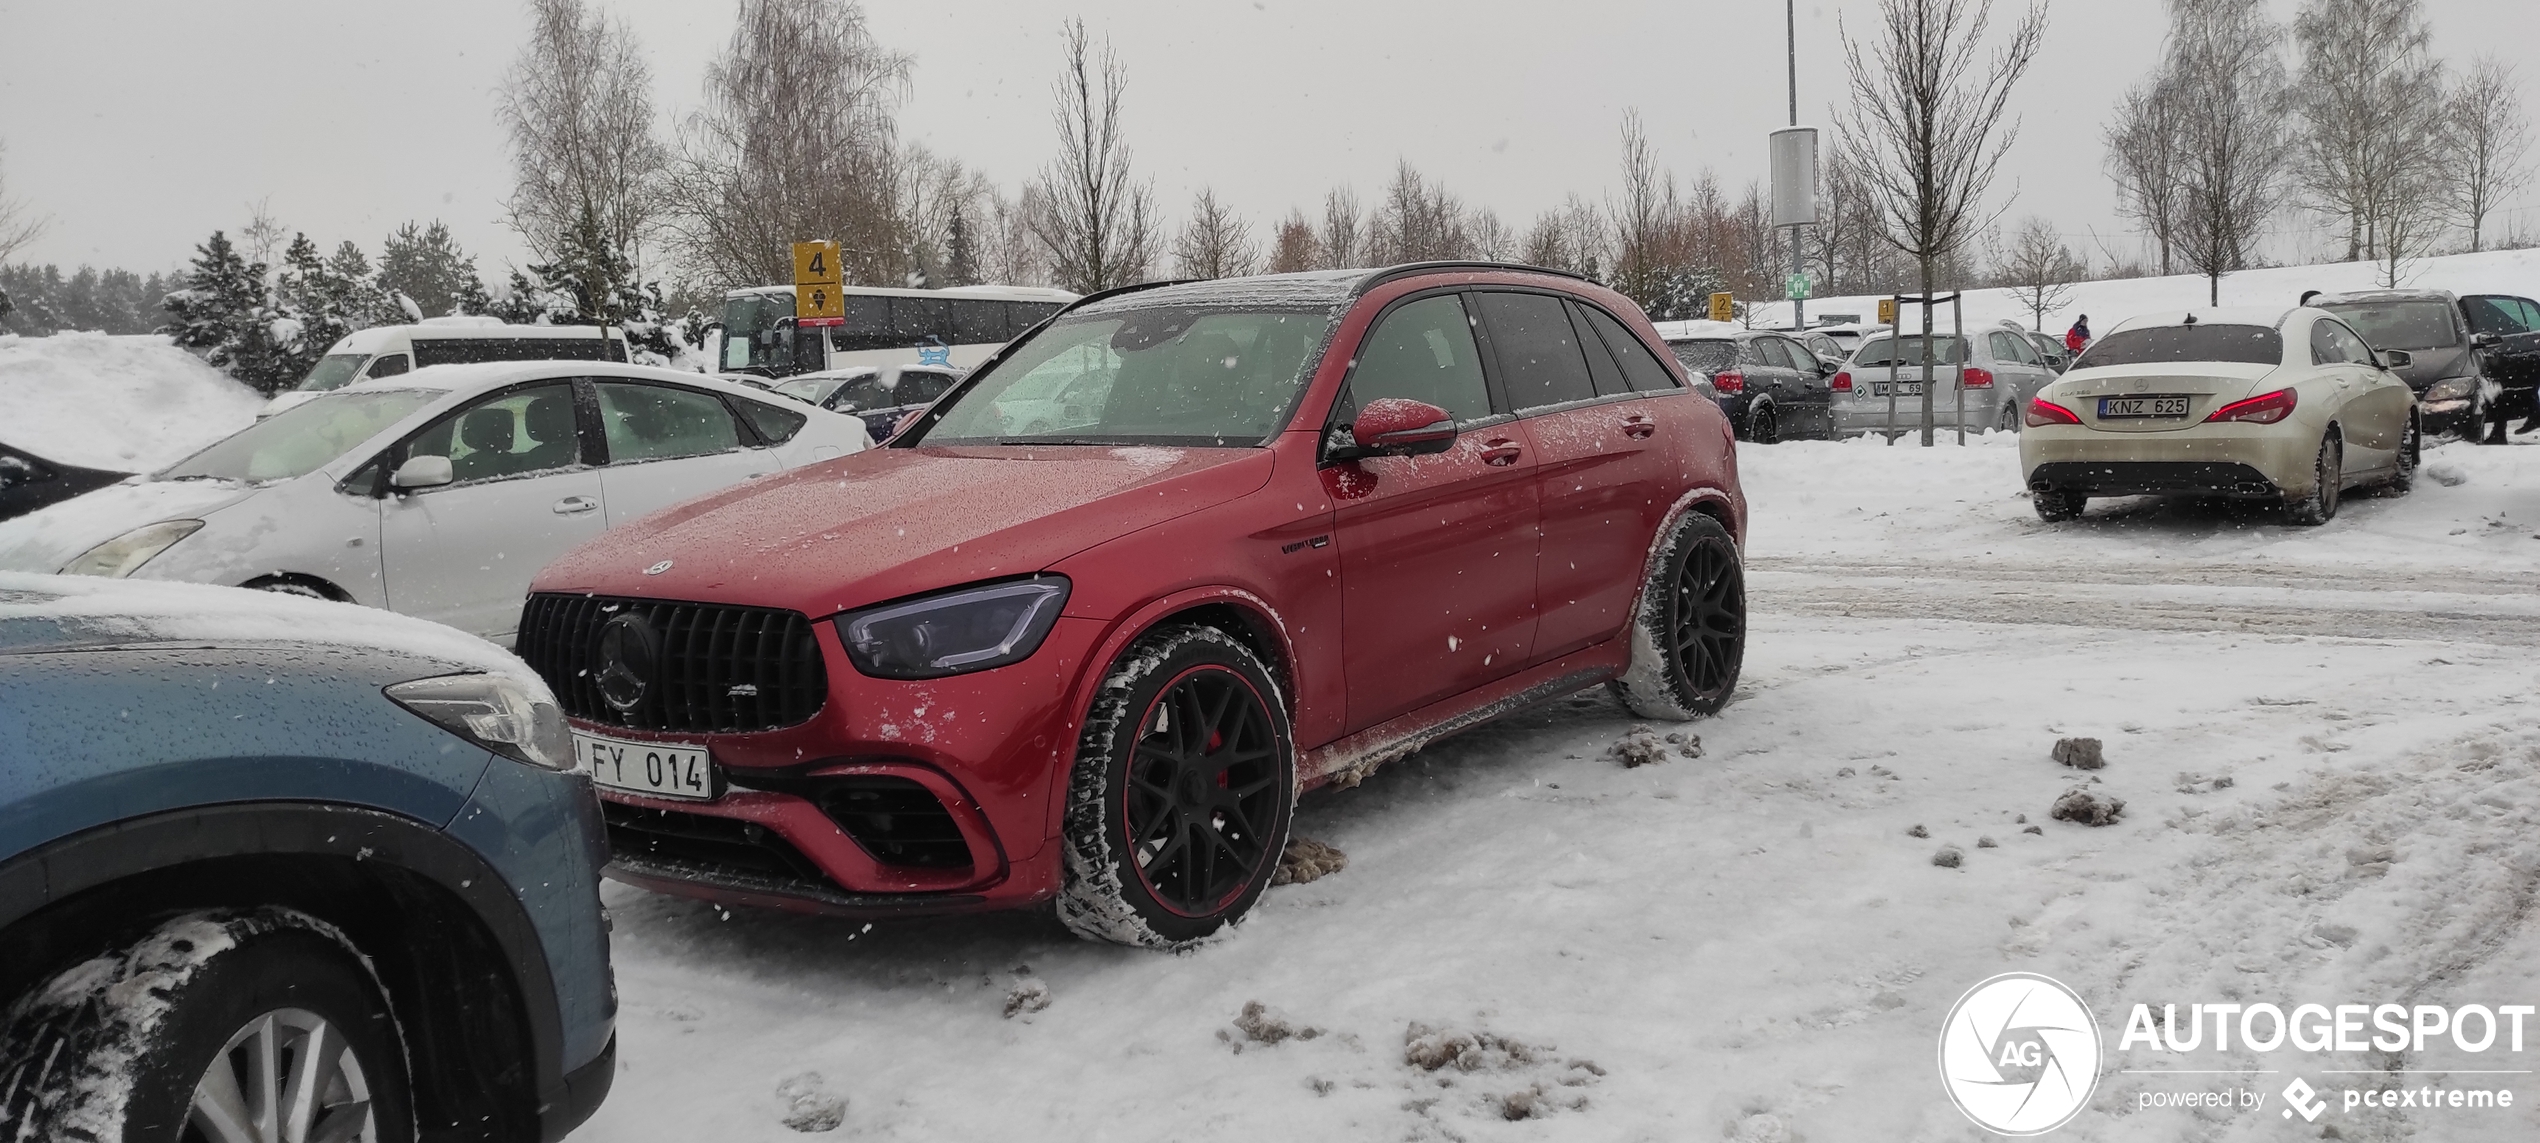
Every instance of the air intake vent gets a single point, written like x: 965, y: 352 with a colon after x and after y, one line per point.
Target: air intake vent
x: 702, y: 668
x: 896, y: 820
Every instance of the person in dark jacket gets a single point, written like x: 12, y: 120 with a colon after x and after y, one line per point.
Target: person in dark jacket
x: 2077, y: 338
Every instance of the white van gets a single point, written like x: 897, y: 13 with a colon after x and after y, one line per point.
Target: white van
x: 388, y: 350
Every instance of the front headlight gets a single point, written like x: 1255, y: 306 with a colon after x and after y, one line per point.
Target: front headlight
x: 124, y: 555
x: 516, y: 719
x: 2450, y: 388
x: 970, y: 629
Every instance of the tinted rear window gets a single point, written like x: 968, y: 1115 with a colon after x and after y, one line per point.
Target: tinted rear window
x: 2161, y: 345
x: 1705, y: 356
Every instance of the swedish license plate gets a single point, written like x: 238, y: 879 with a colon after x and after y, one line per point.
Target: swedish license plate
x: 1903, y: 388
x: 2111, y: 408
x: 653, y: 769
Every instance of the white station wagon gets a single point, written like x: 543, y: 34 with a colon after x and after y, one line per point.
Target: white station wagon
x: 437, y: 493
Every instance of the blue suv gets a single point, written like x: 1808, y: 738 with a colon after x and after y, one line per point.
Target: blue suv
x: 277, y: 868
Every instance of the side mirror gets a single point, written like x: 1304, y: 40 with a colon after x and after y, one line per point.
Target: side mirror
x: 2484, y: 340
x: 422, y: 472
x: 1398, y: 426
x: 2397, y: 359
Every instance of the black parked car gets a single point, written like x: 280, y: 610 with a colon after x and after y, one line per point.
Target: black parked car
x: 1771, y: 386
x: 2475, y: 358
x: 29, y: 482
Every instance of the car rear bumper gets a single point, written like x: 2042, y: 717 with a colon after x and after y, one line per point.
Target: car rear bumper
x: 2219, y: 460
x: 1869, y: 414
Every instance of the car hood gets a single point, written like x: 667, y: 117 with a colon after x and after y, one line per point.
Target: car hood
x: 888, y: 522
x: 44, y: 540
x: 2427, y: 366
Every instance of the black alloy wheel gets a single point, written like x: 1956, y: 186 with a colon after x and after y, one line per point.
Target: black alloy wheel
x: 1707, y: 621
x: 1764, y: 426
x: 1203, y: 780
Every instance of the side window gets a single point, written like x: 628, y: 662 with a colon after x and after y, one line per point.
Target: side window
x: 1423, y: 351
x: 2349, y: 346
x: 387, y: 365
x: 1639, y: 368
x: 1602, y: 372
x: 2324, y: 347
x: 774, y: 425
x: 2530, y: 314
x: 1795, y: 355
x: 511, y: 434
x: 1538, y: 351
x: 658, y: 422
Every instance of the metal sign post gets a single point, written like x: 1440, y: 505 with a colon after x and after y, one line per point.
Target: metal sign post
x: 1891, y: 310
x: 1892, y: 306
x: 1958, y: 335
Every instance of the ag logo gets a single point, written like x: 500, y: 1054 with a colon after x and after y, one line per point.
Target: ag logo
x: 2019, y: 1054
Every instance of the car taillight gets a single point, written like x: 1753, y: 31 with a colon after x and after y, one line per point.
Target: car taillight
x: 1842, y: 382
x: 2044, y: 412
x: 2263, y: 409
x: 1972, y: 377
x: 1731, y: 382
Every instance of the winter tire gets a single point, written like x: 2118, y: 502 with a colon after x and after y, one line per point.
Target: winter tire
x: 2403, y: 471
x: 258, y: 1024
x: 2327, y: 477
x: 1689, y: 636
x: 1178, y: 804
x: 2010, y: 419
x: 2057, y: 507
x: 1764, y: 425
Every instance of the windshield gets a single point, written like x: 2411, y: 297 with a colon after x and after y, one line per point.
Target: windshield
x: 304, y: 438
x: 1706, y: 356
x: 818, y: 389
x: 2400, y: 325
x: 332, y: 371
x: 1909, y: 351
x: 1167, y: 376
x: 2165, y: 344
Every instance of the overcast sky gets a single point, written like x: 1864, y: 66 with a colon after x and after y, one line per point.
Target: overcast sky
x: 142, y: 126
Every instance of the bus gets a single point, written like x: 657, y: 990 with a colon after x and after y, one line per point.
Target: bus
x: 959, y: 326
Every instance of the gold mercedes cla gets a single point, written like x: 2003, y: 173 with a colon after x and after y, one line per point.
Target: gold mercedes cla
x: 2288, y: 406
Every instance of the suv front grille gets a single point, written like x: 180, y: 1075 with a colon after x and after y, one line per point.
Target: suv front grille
x: 717, y: 669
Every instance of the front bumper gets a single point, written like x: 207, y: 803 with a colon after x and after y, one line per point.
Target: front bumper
x: 895, y: 798
x: 2239, y: 460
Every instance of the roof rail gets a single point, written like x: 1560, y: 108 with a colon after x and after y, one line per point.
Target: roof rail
x: 1390, y: 273
x: 1116, y: 291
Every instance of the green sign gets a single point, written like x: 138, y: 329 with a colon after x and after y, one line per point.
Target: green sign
x: 1795, y: 287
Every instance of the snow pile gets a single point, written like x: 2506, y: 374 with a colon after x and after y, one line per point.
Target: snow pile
x: 45, y: 610
x: 121, y: 403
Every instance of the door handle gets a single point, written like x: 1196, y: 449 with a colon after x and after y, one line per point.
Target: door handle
x: 574, y: 505
x: 1501, y: 452
x: 1639, y: 426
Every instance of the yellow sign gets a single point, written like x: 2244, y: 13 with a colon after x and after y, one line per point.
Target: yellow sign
x: 1887, y: 311
x: 1723, y: 307
x: 819, y: 304
x: 815, y: 263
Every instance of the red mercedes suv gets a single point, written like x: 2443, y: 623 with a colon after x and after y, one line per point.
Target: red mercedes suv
x: 1085, y: 627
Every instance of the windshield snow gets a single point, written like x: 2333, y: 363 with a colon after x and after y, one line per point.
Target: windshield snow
x: 2400, y: 325
x: 302, y: 439
x: 1178, y: 376
x: 1706, y: 356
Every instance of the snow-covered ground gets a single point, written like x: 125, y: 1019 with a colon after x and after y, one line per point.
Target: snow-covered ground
x: 2324, y: 738
x: 2488, y: 272
x: 121, y: 403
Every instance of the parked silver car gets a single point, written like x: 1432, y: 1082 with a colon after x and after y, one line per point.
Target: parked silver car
x: 436, y: 493
x: 1996, y: 369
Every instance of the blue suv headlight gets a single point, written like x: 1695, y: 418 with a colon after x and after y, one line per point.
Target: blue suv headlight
x: 955, y: 632
x: 511, y: 717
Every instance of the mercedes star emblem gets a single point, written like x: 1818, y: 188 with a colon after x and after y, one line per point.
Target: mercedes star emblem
x: 629, y: 651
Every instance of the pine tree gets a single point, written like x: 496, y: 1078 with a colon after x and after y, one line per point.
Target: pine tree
x: 425, y: 265
x: 224, y: 312
x: 961, y: 255
x: 591, y: 282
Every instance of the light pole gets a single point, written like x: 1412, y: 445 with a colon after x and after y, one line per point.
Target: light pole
x: 1798, y: 250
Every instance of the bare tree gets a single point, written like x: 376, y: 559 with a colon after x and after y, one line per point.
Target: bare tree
x: 1488, y: 238
x: 1343, y: 238
x: 2223, y: 57
x: 1568, y: 237
x: 1096, y: 219
x: 2485, y: 133
x: 2039, y: 269
x: 1215, y: 242
x: 797, y: 140
x: 19, y: 222
x: 1641, y: 218
x: 1418, y: 221
x: 1009, y: 252
x: 1292, y: 247
x: 578, y: 106
x: 1926, y: 129
x: 2370, y: 97
x: 2144, y: 159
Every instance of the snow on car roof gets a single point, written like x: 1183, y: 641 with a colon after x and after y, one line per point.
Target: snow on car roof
x: 118, y: 403
x: 478, y: 374
x: 2266, y: 316
x: 465, y: 328
x: 1311, y: 289
x: 58, y: 610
